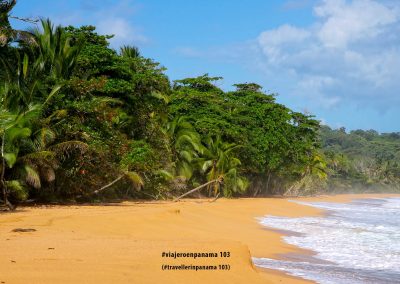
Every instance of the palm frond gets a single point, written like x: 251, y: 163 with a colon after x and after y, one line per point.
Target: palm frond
x: 135, y: 179
x: 10, y: 159
x: 206, y: 165
x: 165, y: 174
x: 129, y: 51
x: 161, y: 96
x: 16, y: 133
x: 185, y: 169
x: 32, y: 177
x: 17, y: 188
x: 34, y: 157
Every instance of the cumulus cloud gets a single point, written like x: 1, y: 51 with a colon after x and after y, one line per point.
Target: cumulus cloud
x: 350, y: 53
x: 344, y: 23
x: 109, y: 17
x: 123, y: 31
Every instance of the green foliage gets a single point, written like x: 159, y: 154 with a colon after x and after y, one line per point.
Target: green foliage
x: 17, y: 190
x: 55, y: 52
x: 129, y: 51
x: 139, y: 157
x: 76, y: 115
x: 275, y: 140
x: 218, y: 160
x: 201, y: 83
x: 362, y: 159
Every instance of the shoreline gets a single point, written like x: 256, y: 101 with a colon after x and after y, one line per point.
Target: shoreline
x: 123, y: 243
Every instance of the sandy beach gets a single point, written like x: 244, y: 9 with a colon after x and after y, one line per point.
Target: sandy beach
x: 123, y: 243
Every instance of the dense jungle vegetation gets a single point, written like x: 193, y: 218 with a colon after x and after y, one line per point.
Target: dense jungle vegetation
x: 80, y: 121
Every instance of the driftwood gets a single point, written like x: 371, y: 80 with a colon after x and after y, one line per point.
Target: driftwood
x: 23, y: 230
x: 219, y: 180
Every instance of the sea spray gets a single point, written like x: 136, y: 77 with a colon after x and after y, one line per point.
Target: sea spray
x: 360, y: 240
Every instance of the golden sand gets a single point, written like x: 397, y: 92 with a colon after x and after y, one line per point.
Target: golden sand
x: 124, y: 243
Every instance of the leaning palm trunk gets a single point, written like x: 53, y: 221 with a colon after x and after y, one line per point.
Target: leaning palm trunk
x: 108, y: 185
x: 218, y: 180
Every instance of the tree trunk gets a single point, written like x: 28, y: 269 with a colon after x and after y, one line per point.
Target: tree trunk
x: 257, y: 185
x: 108, y: 185
x: 213, y: 169
x: 2, y: 181
x: 197, y: 188
x: 268, y: 180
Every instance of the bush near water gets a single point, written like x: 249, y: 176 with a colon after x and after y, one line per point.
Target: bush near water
x: 77, y: 115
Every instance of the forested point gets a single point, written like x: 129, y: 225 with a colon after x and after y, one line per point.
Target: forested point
x: 82, y: 122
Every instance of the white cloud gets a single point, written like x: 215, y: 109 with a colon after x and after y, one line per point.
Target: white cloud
x: 111, y: 18
x: 351, y: 52
x: 344, y: 23
x: 272, y: 42
x: 123, y: 31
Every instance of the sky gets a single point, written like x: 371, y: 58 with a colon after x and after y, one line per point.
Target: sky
x: 336, y: 59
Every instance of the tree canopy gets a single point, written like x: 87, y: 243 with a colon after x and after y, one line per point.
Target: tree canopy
x: 77, y: 115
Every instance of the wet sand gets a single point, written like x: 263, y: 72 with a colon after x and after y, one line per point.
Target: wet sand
x: 124, y: 243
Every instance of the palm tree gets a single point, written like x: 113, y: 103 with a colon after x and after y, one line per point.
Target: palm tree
x: 129, y: 51
x: 41, y: 157
x: 183, y: 144
x: 313, y: 175
x: 56, y: 54
x: 218, y: 160
x: 23, y: 85
x: 14, y: 129
x: 28, y: 154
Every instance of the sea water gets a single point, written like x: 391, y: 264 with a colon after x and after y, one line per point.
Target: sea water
x: 357, y: 242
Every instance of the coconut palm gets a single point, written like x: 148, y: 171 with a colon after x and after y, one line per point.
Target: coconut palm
x: 184, y: 145
x: 313, y: 176
x: 129, y: 51
x: 218, y: 160
x: 29, y: 155
x: 22, y: 85
x: 56, y: 53
x: 14, y: 129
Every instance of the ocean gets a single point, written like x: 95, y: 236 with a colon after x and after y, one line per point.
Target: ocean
x: 357, y: 242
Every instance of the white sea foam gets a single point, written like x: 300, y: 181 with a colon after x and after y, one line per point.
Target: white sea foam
x: 361, y: 239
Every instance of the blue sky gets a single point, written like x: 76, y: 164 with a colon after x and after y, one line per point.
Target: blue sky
x: 336, y: 59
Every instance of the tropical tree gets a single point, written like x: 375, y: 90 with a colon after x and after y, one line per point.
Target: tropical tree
x: 218, y: 160
x: 15, y: 128
x: 129, y: 51
x: 29, y: 155
x: 30, y: 80
x: 57, y: 52
x: 183, y: 146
